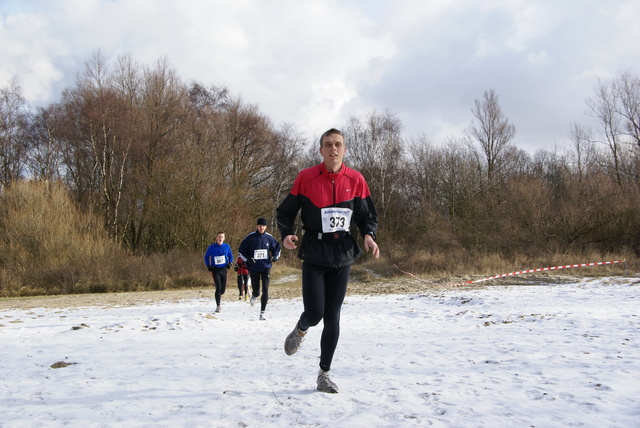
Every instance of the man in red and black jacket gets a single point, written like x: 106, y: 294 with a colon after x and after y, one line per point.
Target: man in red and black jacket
x: 333, y: 198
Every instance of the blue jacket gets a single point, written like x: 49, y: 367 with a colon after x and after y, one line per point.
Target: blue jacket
x: 216, y: 250
x: 259, y: 251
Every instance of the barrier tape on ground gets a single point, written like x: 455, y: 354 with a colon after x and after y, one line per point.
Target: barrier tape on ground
x: 513, y: 273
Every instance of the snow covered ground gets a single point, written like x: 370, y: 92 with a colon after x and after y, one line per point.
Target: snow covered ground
x: 502, y: 356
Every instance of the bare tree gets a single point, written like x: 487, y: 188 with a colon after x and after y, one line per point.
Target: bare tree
x: 582, y: 142
x: 93, y: 124
x: 249, y: 139
x: 603, y: 107
x: 375, y: 147
x: 290, y: 143
x: 163, y: 108
x: 14, y: 119
x: 441, y: 187
x: 626, y: 90
x: 492, y: 131
x: 45, y: 158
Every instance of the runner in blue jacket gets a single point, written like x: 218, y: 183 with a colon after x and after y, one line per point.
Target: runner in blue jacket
x: 259, y: 250
x: 219, y: 259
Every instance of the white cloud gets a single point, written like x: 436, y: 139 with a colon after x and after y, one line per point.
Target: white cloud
x: 26, y: 53
x: 315, y: 63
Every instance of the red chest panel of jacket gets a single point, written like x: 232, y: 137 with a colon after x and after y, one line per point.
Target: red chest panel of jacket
x: 325, y: 189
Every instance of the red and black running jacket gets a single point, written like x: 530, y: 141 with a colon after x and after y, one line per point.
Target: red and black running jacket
x: 314, y: 189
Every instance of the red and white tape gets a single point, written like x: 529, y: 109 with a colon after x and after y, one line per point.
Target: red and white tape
x: 514, y: 273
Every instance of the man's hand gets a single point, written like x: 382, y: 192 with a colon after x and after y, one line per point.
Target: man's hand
x: 370, y: 244
x: 288, y: 242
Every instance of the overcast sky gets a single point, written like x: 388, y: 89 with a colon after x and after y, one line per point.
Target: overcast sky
x: 315, y: 63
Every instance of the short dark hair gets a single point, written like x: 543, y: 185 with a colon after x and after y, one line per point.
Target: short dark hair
x: 330, y: 132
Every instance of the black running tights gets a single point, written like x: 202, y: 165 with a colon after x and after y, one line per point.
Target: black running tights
x: 243, y: 284
x: 323, y: 291
x: 220, y: 281
x: 256, y: 278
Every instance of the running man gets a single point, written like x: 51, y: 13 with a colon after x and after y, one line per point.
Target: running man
x: 332, y: 198
x: 259, y: 250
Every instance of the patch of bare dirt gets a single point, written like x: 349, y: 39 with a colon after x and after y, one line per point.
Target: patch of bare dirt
x: 283, y: 288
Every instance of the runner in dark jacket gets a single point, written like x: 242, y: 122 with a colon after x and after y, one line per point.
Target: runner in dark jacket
x: 259, y: 250
x: 333, y: 198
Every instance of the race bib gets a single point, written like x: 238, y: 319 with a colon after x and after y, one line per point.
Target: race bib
x: 336, y: 219
x: 219, y: 260
x: 260, y: 254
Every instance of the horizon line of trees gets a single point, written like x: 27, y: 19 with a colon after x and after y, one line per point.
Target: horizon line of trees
x: 165, y: 164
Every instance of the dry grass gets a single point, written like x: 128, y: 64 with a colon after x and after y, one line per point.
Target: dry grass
x: 48, y: 247
x: 472, y: 265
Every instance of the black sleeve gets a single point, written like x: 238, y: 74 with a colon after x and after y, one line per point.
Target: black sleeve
x: 286, y: 214
x: 366, y: 217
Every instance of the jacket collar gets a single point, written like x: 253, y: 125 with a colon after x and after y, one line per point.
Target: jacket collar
x: 332, y: 175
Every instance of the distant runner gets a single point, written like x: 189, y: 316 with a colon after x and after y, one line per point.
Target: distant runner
x: 259, y: 250
x: 219, y: 259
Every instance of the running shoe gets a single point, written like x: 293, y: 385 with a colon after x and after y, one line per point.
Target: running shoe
x: 325, y: 384
x: 252, y: 301
x: 262, y: 318
x: 294, y: 340
x: 218, y: 309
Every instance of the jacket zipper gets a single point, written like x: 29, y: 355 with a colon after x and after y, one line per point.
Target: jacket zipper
x: 333, y: 191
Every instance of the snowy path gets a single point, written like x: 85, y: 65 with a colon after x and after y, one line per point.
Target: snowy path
x: 542, y: 356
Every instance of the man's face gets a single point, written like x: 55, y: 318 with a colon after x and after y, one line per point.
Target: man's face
x: 261, y: 228
x: 332, y: 151
x: 220, y: 238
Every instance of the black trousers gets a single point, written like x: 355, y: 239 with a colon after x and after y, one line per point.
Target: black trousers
x: 243, y: 282
x: 220, y: 281
x: 323, y: 292
x: 261, y: 277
